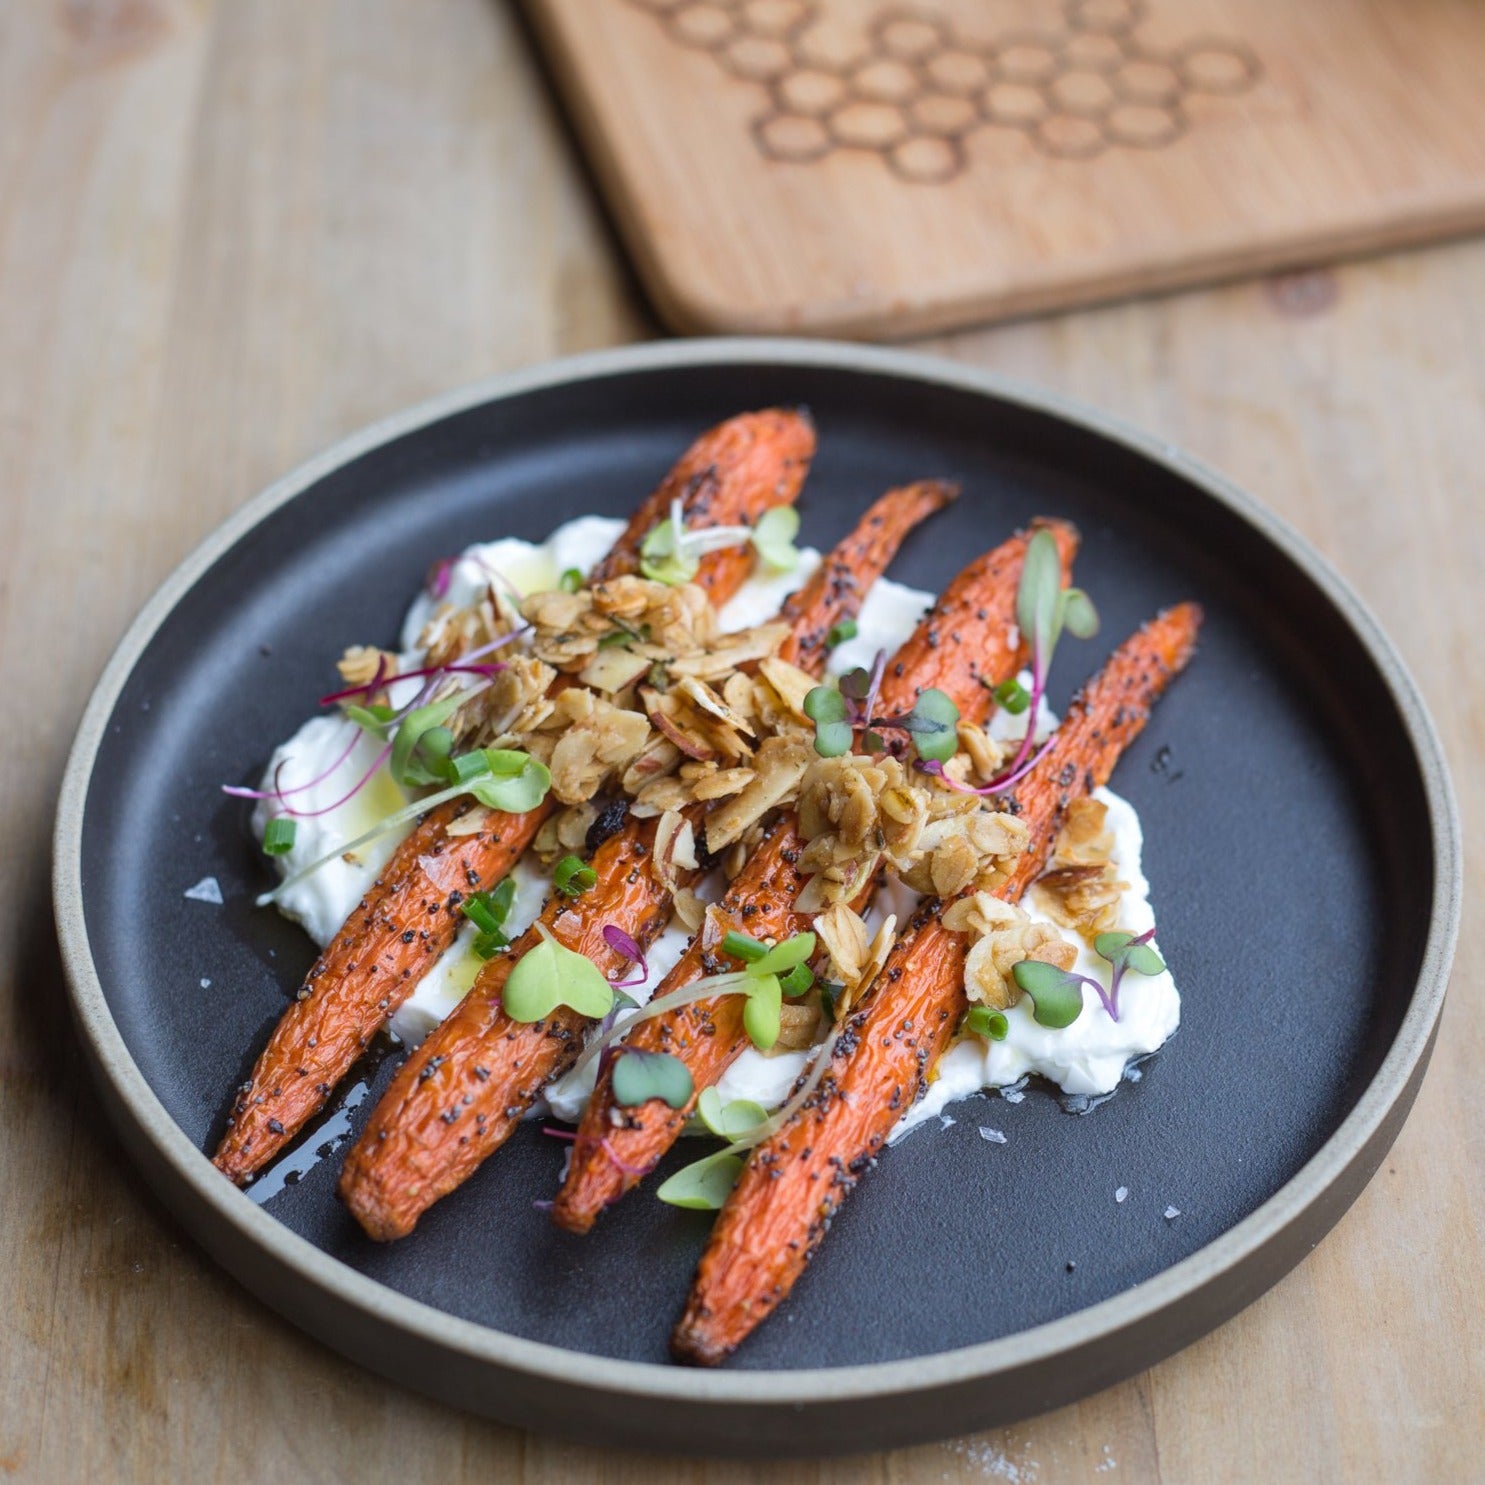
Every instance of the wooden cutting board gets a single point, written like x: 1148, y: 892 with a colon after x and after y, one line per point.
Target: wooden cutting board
x: 857, y: 167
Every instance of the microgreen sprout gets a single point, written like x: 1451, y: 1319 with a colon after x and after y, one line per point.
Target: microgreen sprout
x: 839, y: 714
x: 672, y: 554
x: 704, y: 1184
x: 759, y: 980
x: 572, y: 876
x: 498, y: 778
x: 639, y: 1076
x: 1057, y: 994
x: 552, y: 975
x: 1044, y: 608
x: 621, y: 943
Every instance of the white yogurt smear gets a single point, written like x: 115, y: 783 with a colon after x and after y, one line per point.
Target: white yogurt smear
x: 1088, y: 1057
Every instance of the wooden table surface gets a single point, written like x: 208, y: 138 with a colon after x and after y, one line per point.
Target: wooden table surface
x: 230, y: 234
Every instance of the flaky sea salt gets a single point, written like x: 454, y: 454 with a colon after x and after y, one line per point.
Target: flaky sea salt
x: 995, y: 1136
x: 1121, y: 1193
x: 208, y: 889
x: 1171, y: 1213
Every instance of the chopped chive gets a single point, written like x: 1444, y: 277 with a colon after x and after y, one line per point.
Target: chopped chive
x: 467, y: 766
x: 278, y: 835
x: 798, y: 980
x: 573, y: 876
x: 1013, y: 696
x: 571, y: 580
x: 740, y: 946
x: 486, y: 945
x: 840, y: 633
x: 502, y: 897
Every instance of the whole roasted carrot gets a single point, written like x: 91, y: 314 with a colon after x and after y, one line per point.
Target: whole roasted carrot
x: 795, y: 1182
x: 457, y: 1099
x: 962, y: 646
x: 731, y: 474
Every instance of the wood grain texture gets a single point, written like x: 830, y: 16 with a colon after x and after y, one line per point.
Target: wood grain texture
x: 232, y: 233
x: 873, y: 168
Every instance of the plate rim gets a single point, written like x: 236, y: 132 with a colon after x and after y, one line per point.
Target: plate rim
x: 191, y: 1172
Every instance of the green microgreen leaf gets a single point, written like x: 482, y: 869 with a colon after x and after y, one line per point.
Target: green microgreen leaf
x: 739, y: 946
x: 571, y: 580
x: 932, y: 723
x: 572, y: 876
x: 1078, y: 614
x: 278, y: 835
x: 761, y: 1011
x: 662, y: 559
x: 734, y: 1120
x: 516, y: 781
x: 1056, y: 995
x: 839, y: 633
x: 825, y: 704
x: 372, y: 719
x: 551, y: 975
x: 873, y: 742
x: 705, y: 1184
x: 783, y: 957
x: 1012, y: 697
x: 410, y: 770
x: 639, y: 1076
x: 773, y: 538
x: 833, y: 739
x: 982, y: 1021
x: 1037, y: 594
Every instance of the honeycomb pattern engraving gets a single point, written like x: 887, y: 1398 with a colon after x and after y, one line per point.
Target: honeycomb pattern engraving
x: 910, y: 89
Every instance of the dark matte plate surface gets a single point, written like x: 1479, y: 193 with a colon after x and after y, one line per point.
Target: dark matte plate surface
x: 1299, y: 843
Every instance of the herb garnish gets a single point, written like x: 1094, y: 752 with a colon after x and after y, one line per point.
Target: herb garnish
x: 982, y: 1021
x: 278, y: 836
x: 488, y: 912
x: 552, y: 975
x: 572, y: 876
x: 498, y: 778
x: 705, y: 1184
x: 840, y: 633
x: 1044, y: 608
x: 672, y: 554
x: 1057, y: 994
x: 839, y: 714
x: 760, y: 980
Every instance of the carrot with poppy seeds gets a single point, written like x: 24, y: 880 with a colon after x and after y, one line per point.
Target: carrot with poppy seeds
x: 457, y: 1099
x: 962, y: 646
x: 795, y: 1181
x: 731, y: 474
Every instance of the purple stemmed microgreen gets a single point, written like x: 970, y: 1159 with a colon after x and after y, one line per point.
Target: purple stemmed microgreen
x: 839, y: 714
x: 499, y: 778
x: 1044, y: 608
x: 1057, y: 994
x: 621, y: 943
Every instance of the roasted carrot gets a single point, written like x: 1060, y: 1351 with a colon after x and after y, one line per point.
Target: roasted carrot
x: 795, y: 1182
x: 457, y: 1099
x: 963, y: 647
x: 731, y: 474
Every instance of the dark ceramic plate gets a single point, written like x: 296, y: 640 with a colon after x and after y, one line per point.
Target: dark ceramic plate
x: 1301, y: 843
